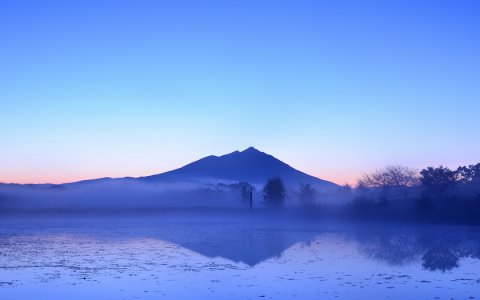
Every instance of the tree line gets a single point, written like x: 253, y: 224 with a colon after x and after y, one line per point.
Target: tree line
x: 396, y: 191
x: 437, y: 192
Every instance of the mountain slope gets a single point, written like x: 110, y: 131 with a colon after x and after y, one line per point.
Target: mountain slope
x: 250, y: 165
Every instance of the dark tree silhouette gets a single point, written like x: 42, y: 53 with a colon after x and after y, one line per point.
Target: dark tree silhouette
x: 274, y: 193
x: 438, y: 182
x: 469, y: 175
x: 307, y: 195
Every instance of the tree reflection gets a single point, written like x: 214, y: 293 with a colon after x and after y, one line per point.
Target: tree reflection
x: 436, y: 250
x: 440, y: 258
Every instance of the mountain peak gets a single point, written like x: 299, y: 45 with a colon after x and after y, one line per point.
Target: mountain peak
x: 250, y: 165
x: 250, y: 149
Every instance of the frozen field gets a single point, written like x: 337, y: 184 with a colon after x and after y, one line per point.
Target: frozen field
x: 234, y: 257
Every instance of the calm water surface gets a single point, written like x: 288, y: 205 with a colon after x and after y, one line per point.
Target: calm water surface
x: 237, y: 257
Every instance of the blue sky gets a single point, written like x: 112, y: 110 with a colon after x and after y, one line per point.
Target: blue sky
x: 334, y: 88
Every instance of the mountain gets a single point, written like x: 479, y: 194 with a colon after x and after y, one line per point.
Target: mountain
x: 250, y: 165
x: 208, y: 182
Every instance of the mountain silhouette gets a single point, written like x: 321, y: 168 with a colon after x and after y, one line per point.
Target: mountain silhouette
x: 250, y: 165
x: 209, y: 182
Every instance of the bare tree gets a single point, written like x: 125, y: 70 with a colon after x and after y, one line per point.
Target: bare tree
x: 391, y: 180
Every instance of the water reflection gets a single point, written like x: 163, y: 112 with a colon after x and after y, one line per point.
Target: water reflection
x: 436, y: 248
x: 432, y: 248
x: 241, y: 244
x: 441, y: 258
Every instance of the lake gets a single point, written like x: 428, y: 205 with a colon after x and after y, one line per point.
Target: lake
x: 234, y: 256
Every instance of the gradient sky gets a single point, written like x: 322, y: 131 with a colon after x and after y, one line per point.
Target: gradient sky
x: 335, y: 88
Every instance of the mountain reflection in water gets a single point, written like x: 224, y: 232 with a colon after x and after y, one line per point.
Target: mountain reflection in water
x: 434, y: 248
x: 238, y: 256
